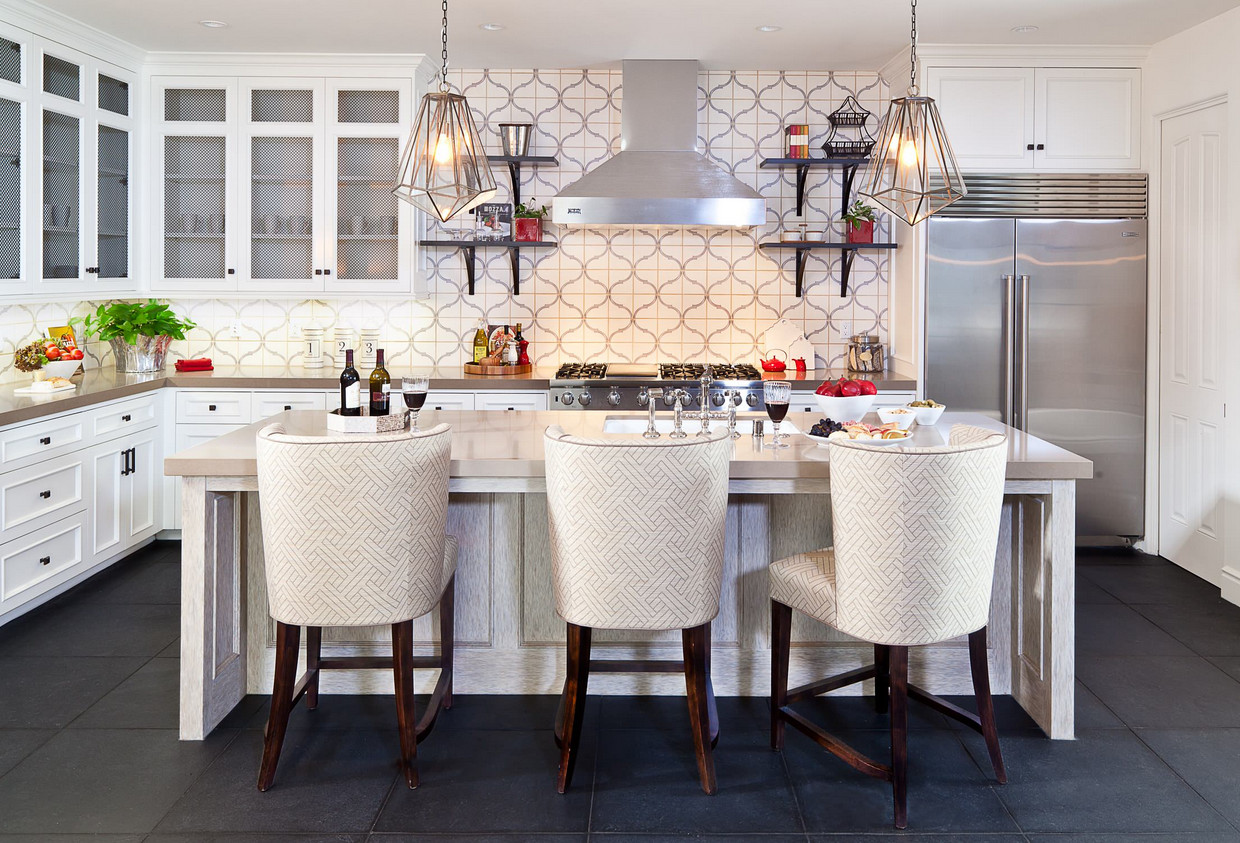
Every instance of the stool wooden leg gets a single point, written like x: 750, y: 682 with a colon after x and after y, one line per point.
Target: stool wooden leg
x: 574, y: 702
x: 695, y: 641
x: 899, y: 734
x: 781, y: 644
x: 406, y: 720
x: 882, y: 678
x: 985, y: 705
x: 314, y: 651
x: 287, y: 640
x: 447, y: 635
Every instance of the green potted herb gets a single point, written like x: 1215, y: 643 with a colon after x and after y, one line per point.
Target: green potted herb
x: 859, y: 220
x: 529, y: 221
x: 140, y: 333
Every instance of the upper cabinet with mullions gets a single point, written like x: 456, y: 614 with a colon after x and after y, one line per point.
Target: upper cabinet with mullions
x: 280, y: 185
x: 66, y: 153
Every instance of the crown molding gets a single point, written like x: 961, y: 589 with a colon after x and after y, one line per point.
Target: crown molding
x: 62, y: 29
x: 178, y: 62
x: 1023, y: 55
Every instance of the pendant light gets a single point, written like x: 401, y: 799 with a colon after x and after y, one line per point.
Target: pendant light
x: 444, y: 169
x: 912, y: 171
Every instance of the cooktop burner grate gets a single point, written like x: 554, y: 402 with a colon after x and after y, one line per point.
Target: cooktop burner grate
x: 581, y: 371
x: 721, y: 371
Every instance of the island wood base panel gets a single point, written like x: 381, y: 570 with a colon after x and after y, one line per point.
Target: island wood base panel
x: 510, y: 641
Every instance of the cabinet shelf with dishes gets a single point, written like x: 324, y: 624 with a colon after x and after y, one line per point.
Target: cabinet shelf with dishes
x: 469, y: 249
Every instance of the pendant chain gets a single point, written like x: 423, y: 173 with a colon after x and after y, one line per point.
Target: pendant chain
x: 443, y: 71
x: 912, y: 70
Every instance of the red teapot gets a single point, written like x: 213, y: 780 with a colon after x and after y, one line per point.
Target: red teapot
x: 774, y: 365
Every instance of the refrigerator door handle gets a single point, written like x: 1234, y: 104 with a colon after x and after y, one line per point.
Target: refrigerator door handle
x: 1022, y: 352
x: 1009, y: 349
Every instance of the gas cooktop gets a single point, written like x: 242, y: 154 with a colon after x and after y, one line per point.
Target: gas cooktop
x: 664, y: 372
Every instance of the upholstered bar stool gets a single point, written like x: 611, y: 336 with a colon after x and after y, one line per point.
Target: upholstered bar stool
x: 915, y: 534
x: 637, y: 531
x: 353, y: 535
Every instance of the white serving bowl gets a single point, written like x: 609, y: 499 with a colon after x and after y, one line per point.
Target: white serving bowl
x: 928, y: 415
x: 902, y: 417
x: 844, y: 409
x: 60, y: 368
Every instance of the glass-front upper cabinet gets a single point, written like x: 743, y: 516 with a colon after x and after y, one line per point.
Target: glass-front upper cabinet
x: 114, y: 155
x: 194, y: 159
x: 365, y: 129
x: 17, y: 163
x: 62, y: 115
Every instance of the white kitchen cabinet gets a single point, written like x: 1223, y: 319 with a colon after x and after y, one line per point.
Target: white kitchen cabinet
x: 212, y: 406
x: 41, y: 494
x: 126, y: 474
x: 16, y: 180
x: 37, y: 562
x: 524, y: 400
x: 268, y: 404
x: 1046, y: 118
x: 448, y: 400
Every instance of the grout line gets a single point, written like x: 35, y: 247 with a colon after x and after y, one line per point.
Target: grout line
x: 1187, y: 784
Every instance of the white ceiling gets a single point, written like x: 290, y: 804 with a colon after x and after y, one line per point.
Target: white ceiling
x: 816, y: 34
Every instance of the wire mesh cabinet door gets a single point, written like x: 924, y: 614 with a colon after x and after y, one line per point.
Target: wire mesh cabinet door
x: 195, y: 200
x: 63, y: 123
x: 16, y: 220
x: 112, y: 151
x: 281, y: 192
x: 370, y: 240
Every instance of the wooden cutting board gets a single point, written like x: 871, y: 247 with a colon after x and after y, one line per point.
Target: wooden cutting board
x: 495, y: 371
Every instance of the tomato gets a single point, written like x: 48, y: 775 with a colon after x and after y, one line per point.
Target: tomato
x: 52, y: 352
x: 868, y: 387
x: 850, y: 389
x: 76, y: 354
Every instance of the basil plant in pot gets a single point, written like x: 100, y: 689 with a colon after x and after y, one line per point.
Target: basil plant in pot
x: 139, y: 333
x: 859, y: 220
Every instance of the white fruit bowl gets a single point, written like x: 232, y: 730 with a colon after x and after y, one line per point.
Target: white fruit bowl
x: 928, y: 415
x: 902, y: 417
x: 851, y: 408
x: 60, y: 368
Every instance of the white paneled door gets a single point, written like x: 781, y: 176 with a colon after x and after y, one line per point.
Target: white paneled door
x: 1193, y: 354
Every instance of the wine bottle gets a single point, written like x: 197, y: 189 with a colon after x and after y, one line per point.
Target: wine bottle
x: 480, y: 342
x: 380, y: 387
x: 350, y: 387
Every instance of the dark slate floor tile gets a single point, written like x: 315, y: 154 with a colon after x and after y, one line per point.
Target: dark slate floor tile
x: 837, y: 713
x: 696, y: 838
x: 149, y: 699
x: 491, y: 781
x: 1105, y: 781
x: 94, y: 629
x: 505, y: 712
x: 153, y: 580
x: 1092, y: 713
x: 251, y: 838
x: 1230, y: 666
x: 539, y: 837
x: 1161, y: 583
x: 922, y: 838
x: 1008, y: 713
x: 326, y: 782
x: 1121, y: 631
x: 103, y: 781
x: 672, y: 712
x: 647, y: 781
x: 335, y: 712
x: 1178, y: 837
x: 16, y: 744
x: 1208, y: 629
x: 1208, y: 759
x: 947, y: 792
x: 1090, y: 593
x: 1163, y: 691
x: 49, y: 692
x: 172, y: 651
x: 70, y: 838
x: 1086, y: 556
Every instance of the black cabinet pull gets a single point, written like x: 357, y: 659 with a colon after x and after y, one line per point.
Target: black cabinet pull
x: 288, y: 406
x: 1041, y: 146
x: 45, y: 560
x: 211, y: 408
x: 133, y: 460
x: 318, y: 272
x: 46, y: 440
x: 512, y: 408
x: 232, y: 272
x: 1029, y: 147
x: 327, y: 272
x: 45, y: 494
x: 126, y: 417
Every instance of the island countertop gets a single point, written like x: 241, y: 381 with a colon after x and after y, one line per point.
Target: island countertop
x: 510, y: 445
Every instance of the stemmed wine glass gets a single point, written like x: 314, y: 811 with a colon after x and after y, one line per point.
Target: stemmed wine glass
x: 414, y: 388
x: 776, y: 395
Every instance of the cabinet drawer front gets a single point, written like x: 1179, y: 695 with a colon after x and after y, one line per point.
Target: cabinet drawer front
x: 127, y: 416
x: 448, y: 401
x: 34, y: 442
x: 39, y: 494
x: 511, y: 401
x: 26, y: 564
x: 268, y: 404
x: 213, y: 407
x: 893, y: 399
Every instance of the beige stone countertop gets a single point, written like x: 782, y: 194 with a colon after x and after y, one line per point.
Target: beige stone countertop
x: 97, y: 385
x: 510, y: 445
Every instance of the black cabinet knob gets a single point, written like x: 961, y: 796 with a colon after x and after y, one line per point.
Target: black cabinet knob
x: 46, y: 440
x: 1029, y: 147
x: 45, y: 494
x: 288, y: 406
x: 211, y: 408
x: 232, y: 272
x: 327, y: 272
x: 1041, y: 146
x: 45, y: 560
x: 318, y: 272
x: 126, y: 417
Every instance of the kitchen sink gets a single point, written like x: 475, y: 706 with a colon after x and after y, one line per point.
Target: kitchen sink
x: 663, y: 424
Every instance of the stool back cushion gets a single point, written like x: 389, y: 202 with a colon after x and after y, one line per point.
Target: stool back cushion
x: 353, y: 525
x: 637, y: 529
x: 915, y: 535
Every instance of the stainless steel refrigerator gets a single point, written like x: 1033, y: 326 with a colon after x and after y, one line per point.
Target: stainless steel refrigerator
x: 1041, y: 323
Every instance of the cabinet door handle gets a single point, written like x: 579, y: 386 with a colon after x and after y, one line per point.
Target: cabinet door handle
x: 512, y: 408
x: 45, y: 560
x: 1029, y: 147
x: 327, y: 272
x: 1041, y: 146
x: 318, y: 272
x: 126, y: 417
x: 232, y: 272
x: 288, y: 406
x: 133, y: 460
x: 45, y: 494
x: 45, y: 440
x: 211, y: 408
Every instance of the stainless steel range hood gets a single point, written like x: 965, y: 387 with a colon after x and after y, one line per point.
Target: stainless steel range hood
x: 659, y: 178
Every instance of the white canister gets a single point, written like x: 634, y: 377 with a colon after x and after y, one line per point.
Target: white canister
x: 368, y: 345
x: 312, y: 346
x: 342, y: 341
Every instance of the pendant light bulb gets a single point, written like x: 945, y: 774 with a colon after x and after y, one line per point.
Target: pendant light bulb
x: 443, y: 150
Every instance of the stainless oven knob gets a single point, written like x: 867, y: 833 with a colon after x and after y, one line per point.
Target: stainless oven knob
x: 668, y: 397
x: 584, y: 400
x: 613, y: 398
x: 717, y: 399
x: 643, y: 397
x: 566, y: 399
x: 751, y: 399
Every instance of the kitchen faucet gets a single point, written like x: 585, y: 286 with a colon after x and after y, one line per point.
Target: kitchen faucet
x: 705, y: 415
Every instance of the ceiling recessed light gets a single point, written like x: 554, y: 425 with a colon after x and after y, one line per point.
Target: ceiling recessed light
x: 212, y: 24
x: 1024, y: 28
x: 491, y: 27
x: 769, y: 28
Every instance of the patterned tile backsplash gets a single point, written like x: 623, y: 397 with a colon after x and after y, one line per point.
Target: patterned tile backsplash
x: 617, y: 294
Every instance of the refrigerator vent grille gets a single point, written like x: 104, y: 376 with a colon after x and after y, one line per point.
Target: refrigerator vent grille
x: 1056, y: 195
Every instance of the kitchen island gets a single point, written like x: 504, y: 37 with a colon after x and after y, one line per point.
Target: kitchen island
x: 509, y: 639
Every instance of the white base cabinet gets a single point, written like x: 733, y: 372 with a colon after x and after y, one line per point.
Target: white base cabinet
x: 127, y: 474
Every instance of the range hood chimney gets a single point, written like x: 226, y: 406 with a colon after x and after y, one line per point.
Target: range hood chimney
x: 659, y: 178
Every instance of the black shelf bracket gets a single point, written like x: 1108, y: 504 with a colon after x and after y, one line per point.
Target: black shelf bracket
x: 802, y: 256
x: 846, y: 262
x: 849, y: 173
x: 470, y: 254
x: 802, y: 177
x: 514, y: 259
x: 515, y: 162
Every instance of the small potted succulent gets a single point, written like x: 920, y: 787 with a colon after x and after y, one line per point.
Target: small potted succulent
x: 528, y: 220
x: 859, y: 221
x: 139, y: 333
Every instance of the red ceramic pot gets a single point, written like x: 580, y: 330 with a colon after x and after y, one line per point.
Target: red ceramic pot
x: 864, y: 234
x: 529, y: 229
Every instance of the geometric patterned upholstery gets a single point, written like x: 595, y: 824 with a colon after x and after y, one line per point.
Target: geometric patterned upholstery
x: 353, y: 525
x: 915, y: 532
x: 637, y: 529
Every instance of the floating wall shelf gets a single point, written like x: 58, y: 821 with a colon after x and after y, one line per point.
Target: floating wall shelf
x: 515, y: 163
x: 804, y: 165
x: 469, y: 248
x: 849, y: 253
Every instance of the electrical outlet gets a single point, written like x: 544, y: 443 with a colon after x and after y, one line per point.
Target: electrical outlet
x: 234, y: 329
x: 844, y: 327
x: 294, y: 327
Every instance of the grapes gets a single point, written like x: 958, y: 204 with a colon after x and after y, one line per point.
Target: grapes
x: 825, y: 427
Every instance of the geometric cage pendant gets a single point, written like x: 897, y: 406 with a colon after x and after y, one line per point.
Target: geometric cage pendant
x: 444, y: 169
